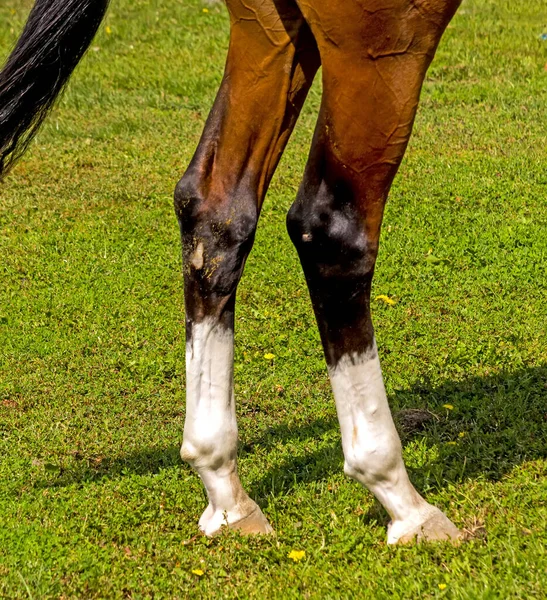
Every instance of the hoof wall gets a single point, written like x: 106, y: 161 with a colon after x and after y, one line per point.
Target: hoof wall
x: 436, y: 528
x: 212, y: 522
x: 253, y: 524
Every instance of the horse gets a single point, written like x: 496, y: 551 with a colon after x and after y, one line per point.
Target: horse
x: 374, y: 55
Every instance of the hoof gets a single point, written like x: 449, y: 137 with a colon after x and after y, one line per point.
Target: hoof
x: 253, y: 522
x: 435, y: 527
x: 206, y: 517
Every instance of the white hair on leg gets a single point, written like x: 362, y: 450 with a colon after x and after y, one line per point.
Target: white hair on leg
x: 372, y: 448
x: 210, y: 430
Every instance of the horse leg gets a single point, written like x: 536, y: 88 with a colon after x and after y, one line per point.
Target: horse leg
x: 374, y: 60
x: 271, y: 63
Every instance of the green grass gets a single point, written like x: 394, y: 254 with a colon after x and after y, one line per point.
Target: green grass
x: 94, y: 500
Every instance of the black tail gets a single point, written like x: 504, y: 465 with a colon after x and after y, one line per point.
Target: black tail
x: 56, y: 36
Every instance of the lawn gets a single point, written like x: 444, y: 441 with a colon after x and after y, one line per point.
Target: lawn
x: 94, y: 499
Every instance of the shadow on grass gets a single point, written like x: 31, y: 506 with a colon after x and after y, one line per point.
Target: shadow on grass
x: 491, y: 425
x: 495, y: 423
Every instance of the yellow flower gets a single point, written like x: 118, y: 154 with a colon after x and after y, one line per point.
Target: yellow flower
x: 448, y: 406
x: 205, y: 10
x: 442, y: 586
x: 461, y: 434
x: 297, y: 555
x: 198, y: 572
x: 108, y: 30
x: 269, y: 356
x: 386, y: 299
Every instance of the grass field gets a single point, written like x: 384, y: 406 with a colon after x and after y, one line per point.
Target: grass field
x: 94, y: 500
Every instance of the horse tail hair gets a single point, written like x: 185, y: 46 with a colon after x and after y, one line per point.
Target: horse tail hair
x: 56, y: 36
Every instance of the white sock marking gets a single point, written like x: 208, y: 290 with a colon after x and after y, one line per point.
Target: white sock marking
x: 372, y: 449
x: 210, y: 428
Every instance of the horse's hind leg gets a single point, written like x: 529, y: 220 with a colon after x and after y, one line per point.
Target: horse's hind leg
x: 374, y: 60
x: 271, y: 63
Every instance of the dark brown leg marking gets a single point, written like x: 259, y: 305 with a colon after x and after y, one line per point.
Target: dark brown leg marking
x: 271, y: 64
x: 374, y: 54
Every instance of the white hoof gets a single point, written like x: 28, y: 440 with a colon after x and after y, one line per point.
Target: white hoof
x: 250, y: 521
x: 206, y: 517
x: 428, y: 525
